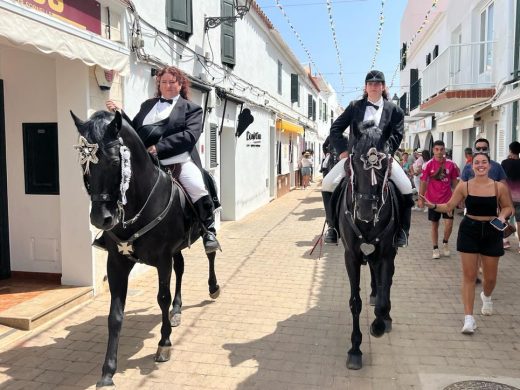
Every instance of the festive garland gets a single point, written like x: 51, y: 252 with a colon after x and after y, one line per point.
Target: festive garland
x: 379, y: 34
x: 338, y: 57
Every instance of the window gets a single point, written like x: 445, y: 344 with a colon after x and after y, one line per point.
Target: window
x: 320, y: 104
x: 179, y: 18
x: 324, y: 112
x: 403, y: 56
x: 295, y: 88
x: 428, y: 59
x: 213, y: 145
x: 227, y: 29
x: 435, y: 52
x: 309, y: 106
x: 314, y: 109
x: 486, y: 38
x: 279, y: 77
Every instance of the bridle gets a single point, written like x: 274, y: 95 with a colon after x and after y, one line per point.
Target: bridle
x: 372, y: 161
x: 87, y: 156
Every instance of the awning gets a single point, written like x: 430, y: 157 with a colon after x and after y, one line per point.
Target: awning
x: 285, y: 125
x: 23, y: 26
x: 460, y: 120
x: 507, y: 97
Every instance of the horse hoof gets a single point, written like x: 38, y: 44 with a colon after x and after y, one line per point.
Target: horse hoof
x: 163, y: 354
x: 377, y: 329
x: 215, y: 294
x: 388, y: 326
x: 354, y: 362
x: 105, y: 382
x: 372, y: 301
x: 175, y: 319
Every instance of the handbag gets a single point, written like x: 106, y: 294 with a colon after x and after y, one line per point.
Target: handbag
x: 510, y: 229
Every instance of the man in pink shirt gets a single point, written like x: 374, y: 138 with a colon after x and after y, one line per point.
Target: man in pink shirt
x: 439, y: 176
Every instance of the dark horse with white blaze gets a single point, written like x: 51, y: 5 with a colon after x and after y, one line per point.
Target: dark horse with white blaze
x: 146, y: 218
x: 367, y: 222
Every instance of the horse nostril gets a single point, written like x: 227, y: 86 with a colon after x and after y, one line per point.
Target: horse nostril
x: 107, y: 221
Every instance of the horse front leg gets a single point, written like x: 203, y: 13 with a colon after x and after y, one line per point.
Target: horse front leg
x: 164, y: 298
x: 384, y: 271
x: 214, y: 288
x: 354, y: 356
x: 118, y: 269
x: 178, y: 267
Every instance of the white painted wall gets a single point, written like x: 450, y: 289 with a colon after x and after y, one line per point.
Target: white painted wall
x: 30, y: 96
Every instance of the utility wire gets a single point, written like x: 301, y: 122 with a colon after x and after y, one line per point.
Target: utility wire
x: 334, y: 37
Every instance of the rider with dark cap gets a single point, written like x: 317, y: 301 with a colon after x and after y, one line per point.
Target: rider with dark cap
x: 390, y: 119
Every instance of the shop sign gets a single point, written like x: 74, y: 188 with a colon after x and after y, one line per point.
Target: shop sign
x: 419, y: 126
x: 253, y: 139
x: 84, y: 14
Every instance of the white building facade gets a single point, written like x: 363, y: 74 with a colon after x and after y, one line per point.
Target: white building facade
x: 455, y: 71
x: 53, y: 61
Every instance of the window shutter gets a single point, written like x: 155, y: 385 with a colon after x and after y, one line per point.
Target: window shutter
x: 428, y: 59
x: 179, y: 17
x: 403, y: 56
x: 313, y: 109
x: 435, y: 52
x: 320, y: 104
x: 228, y: 34
x: 213, y: 145
x: 294, y: 88
x: 325, y: 112
x: 309, y: 106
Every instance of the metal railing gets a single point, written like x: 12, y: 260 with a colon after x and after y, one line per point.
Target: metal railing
x: 460, y: 66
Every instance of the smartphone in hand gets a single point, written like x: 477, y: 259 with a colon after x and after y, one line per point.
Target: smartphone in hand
x: 498, y: 224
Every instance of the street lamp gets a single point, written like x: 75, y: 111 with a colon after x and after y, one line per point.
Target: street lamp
x: 239, y: 12
x: 395, y: 99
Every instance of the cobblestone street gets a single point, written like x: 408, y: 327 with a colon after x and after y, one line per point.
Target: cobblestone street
x: 282, y: 320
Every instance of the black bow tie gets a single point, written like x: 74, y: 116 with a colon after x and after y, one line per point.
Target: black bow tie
x: 372, y: 105
x: 163, y: 100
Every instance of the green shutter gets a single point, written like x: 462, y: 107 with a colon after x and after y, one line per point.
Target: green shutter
x: 309, y: 106
x: 314, y: 110
x: 294, y: 88
x: 179, y: 17
x: 213, y: 162
x: 228, y: 34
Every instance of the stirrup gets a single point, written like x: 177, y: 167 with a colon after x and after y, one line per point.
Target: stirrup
x: 210, y: 242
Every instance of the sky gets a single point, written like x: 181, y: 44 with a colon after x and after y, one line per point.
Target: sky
x: 356, y: 23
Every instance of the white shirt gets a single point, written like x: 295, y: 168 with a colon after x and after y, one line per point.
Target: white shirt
x: 372, y: 114
x: 160, y: 111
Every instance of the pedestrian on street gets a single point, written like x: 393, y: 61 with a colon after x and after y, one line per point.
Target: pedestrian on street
x: 439, y: 176
x: 422, y: 157
x: 170, y: 125
x: 390, y: 119
x: 485, y: 200
x: 496, y: 172
x: 511, y: 167
x: 305, y: 167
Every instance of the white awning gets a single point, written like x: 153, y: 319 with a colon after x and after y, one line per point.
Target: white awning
x: 460, y: 120
x: 23, y: 26
x: 507, y: 97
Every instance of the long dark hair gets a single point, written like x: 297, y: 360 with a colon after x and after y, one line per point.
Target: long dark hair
x: 384, y: 94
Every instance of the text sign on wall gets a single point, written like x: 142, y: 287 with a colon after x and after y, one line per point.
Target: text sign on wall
x: 253, y: 139
x: 85, y: 14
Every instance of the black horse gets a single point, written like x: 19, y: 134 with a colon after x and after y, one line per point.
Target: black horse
x: 146, y: 218
x: 367, y: 222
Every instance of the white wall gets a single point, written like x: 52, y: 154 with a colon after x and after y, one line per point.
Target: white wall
x: 30, y: 96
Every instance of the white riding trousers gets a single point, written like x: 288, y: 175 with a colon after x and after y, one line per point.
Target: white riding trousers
x: 398, y: 177
x: 192, y: 181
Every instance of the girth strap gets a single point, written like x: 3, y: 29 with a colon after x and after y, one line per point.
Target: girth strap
x: 125, y: 247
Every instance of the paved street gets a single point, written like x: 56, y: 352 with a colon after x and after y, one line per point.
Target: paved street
x: 282, y: 320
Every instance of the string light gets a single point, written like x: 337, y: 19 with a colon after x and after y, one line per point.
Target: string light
x: 334, y: 37
x: 379, y: 33
x: 419, y: 31
x: 298, y: 37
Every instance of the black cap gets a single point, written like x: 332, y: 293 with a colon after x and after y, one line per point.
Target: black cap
x: 375, y: 75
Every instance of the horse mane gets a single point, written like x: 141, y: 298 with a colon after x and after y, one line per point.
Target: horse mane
x: 370, y: 136
x: 94, y: 128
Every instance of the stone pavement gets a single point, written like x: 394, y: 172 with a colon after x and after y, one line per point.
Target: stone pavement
x: 282, y: 320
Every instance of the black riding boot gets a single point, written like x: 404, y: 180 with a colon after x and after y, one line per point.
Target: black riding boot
x: 99, y: 242
x: 331, y: 237
x: 404, y: 219
x: 204, y: 207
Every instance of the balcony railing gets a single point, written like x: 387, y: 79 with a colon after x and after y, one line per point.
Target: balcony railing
x: 461, y: 66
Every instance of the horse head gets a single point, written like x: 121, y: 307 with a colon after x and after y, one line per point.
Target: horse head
x: 369, y: 167
x: 106, y: 165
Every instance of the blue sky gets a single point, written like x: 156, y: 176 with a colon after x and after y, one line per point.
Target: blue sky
x: 356, y: 23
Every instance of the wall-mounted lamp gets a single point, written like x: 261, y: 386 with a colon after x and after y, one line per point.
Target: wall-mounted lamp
x: 395, y: 99
x: 238, y: 10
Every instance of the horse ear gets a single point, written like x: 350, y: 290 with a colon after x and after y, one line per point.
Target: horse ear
x: 78, y: 122
x: 115, y: 126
